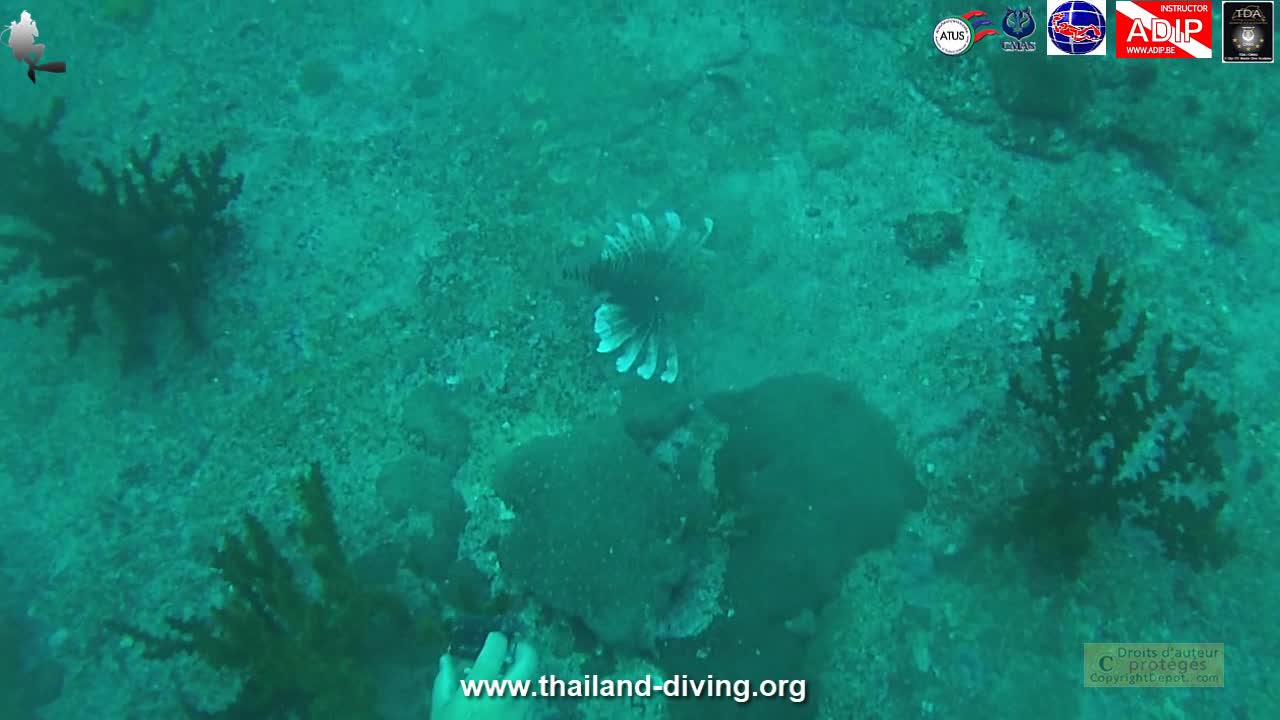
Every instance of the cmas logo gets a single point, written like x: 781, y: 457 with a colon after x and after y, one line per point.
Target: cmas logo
x: 1018, y: 25
x: 1249, y: 39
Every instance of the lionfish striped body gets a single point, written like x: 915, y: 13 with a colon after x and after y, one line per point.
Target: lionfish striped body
x: 647, y: 278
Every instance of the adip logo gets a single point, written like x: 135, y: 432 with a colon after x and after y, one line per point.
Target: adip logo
x: 1077, y: 27
x: 1164, y: 30
x: 22, y: 41
x: 1018, y: 25
x: 955, y: 35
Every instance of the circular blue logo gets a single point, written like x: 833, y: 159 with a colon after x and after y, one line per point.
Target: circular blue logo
x: 1077, y: 27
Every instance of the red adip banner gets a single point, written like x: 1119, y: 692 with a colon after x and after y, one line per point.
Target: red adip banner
x: 1164, y: 29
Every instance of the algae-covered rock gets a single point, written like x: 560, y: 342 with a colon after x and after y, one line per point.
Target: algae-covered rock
x: 599, y: 531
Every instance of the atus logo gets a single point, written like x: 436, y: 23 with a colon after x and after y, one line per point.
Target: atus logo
x: 955, y: 35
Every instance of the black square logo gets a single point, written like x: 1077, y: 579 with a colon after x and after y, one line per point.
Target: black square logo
x: 1248, y: 31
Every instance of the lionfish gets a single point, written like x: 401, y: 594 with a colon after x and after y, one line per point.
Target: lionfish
x: 648, y: 279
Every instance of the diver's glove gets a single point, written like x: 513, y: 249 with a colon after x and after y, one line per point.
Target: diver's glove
x: 448, y: 701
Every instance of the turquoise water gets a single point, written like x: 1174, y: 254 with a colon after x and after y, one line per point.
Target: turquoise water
x: 752, y: 340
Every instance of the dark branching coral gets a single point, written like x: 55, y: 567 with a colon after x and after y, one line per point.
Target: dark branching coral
x: 136, y: 240
x: 648, y: 279
x: 300, y: 655
x: 29, y: 677
x: 1123, y: 442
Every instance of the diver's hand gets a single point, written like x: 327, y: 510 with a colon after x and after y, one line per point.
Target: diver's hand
x: 448, y: 701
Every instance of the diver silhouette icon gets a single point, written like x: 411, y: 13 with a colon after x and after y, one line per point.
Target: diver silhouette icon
x: 22, y: 41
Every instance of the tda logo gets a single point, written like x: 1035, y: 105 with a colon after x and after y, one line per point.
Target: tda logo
x: 1248, y: 12
x: 1164, y: 30
x: 1248, y: 31
x: 955, y: 35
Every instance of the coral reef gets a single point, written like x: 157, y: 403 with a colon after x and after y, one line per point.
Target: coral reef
x: 600, y: 533
x: 297, y: 653
x: 708, y: 532
x: 143, y: 237
x: 1123, y: 441
x: 813, y: 478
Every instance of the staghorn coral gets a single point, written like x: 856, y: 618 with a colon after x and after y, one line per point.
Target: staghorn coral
x: 298, y: 654
x: 137, y: 239
x: 1123, y: 441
